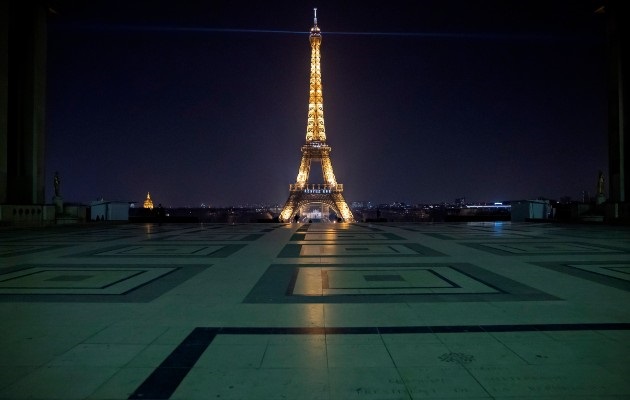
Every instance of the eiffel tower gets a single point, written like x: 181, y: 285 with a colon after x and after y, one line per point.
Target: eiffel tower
x: 316, y: 149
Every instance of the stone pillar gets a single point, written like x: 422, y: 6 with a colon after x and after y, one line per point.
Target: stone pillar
x: 4, y: 97
x: 618, y: 140
x: 58, y: 202
x: 22, y: 101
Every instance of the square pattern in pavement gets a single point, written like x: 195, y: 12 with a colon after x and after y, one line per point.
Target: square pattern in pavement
x: 315, y: 311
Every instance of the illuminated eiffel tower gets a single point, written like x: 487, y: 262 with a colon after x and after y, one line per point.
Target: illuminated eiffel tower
x: 316, y: 149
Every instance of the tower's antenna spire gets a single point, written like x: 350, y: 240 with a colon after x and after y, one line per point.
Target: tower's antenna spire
x: 315, y: 18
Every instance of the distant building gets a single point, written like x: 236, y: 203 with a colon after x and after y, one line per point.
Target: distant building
x: 530, y: 210
x: 109, y: 210
x: 148, y: 203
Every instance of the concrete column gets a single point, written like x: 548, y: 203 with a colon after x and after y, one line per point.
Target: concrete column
x: 22, y: 101
x: 618, y: 140
x: 4, y: 97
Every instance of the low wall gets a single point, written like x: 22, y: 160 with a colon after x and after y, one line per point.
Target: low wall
x: 20, y: 214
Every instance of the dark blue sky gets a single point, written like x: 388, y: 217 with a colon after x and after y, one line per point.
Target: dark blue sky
x: 488, y: 100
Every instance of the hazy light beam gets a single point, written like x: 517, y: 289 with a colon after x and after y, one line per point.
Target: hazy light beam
x: 428, y: 35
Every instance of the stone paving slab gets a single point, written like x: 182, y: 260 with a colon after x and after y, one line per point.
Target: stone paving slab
x: 315, y: 311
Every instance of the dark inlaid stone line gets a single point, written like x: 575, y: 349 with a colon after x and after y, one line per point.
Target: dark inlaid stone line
x: 144, y: 291
x: 573, y: 268
x: 122, y: 251
x: 292, y: 250
x: 69, y: 278
x: 540, y: 249
x: 384, y: 278
x: 167, y: 377
x: 333, y: 237
x: 419, y: 329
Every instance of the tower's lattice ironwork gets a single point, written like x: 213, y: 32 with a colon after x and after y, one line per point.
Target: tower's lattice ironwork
x: 316, y: 149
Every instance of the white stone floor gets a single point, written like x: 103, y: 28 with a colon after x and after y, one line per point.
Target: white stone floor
x: 315, y: 311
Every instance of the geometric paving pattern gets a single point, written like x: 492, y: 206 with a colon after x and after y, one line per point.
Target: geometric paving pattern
x: 77, y: 280
x: 546, y: 248
x: 91, y: 283
x: 388, y: 283
x: 610, y: 273
x: 183, y: 369
x: 315, y: 311
x: 327, y: 281
x: 344, y: 236
x: 618, y: 271
x: 211, y: 236
x: 164, y: 250
x: 479, y: 235
x: 61, y: 238
x: 357, y: 250
x: 608, y: 233
x: 11, y: 250
x: 341, y: 228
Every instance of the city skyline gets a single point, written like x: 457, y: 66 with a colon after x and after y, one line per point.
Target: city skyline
x: 208, y: 103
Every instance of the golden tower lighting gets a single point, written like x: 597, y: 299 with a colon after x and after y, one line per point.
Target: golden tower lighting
x: 330, y: 192
x: 148, y: 203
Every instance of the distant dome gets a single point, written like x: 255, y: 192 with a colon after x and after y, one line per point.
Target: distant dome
x: 148, y: 203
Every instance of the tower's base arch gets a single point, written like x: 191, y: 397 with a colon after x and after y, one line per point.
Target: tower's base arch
x: 301, y: 196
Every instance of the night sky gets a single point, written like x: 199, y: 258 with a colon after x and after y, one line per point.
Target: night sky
x: 424, y: 101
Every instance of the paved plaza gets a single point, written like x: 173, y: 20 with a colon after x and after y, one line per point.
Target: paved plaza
x: 315, y: 311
